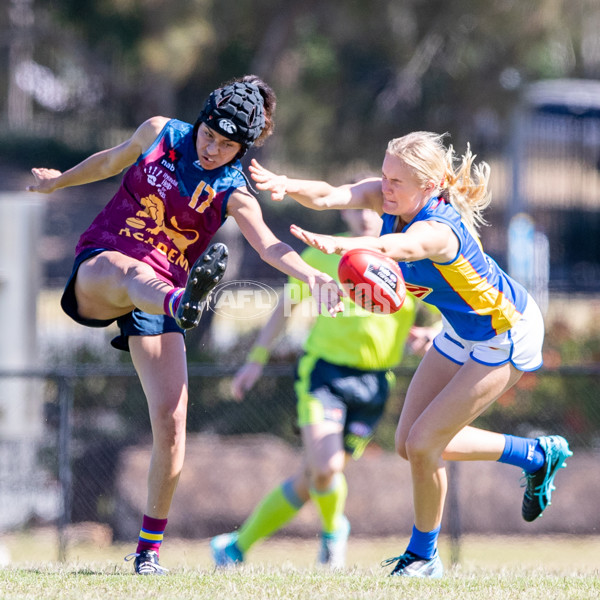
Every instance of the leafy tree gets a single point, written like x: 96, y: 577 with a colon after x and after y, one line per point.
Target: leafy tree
x: 349, y: 74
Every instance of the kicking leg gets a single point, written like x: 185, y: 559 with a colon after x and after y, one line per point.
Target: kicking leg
x: 110, y: 284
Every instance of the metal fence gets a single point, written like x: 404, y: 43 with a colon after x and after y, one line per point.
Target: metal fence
x: 92, y: 414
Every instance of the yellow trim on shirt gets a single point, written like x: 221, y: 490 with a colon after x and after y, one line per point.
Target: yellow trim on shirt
x: 479, y: 294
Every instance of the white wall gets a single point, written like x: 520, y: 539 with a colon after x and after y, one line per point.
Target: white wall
x: 20, y: 276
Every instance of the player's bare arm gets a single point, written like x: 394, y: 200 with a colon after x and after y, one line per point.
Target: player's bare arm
x: 244, y: 208
x: 304, y: 191
x: 101, y: 165
x: 328, y: 244
x: 318, y: 195
x: 422, y: 240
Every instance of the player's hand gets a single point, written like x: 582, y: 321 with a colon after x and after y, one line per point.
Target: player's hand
x: 327, y: 293
x: 268, y: 181
x: 420, y: 339
x: 45, y: 180
x: 244, y: 379
x: 328, y: 244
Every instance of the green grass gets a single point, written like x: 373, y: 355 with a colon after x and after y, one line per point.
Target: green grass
x: 491, y: 568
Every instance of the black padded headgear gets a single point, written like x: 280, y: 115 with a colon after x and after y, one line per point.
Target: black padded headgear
x: 235, y: 111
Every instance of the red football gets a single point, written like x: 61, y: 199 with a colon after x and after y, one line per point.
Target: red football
x: 372, y: 280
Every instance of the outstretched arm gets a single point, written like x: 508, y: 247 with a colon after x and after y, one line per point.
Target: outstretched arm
x: 319, y: 195
x: 244, y: 208
x: 101, y: 165
x: 424, y: 239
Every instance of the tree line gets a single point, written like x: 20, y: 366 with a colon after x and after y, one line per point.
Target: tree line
x: 349, y: 74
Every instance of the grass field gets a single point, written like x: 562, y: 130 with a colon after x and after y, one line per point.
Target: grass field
x: 492, y: 568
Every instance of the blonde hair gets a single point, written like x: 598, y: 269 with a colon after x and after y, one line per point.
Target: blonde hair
x: 465, y: 187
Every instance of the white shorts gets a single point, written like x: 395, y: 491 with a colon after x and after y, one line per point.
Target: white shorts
x: 521, y: 345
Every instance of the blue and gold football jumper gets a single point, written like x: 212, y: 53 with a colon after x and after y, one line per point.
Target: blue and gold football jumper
x: 472, y: 292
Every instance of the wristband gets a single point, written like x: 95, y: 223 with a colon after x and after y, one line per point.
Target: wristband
x: 258, y: 354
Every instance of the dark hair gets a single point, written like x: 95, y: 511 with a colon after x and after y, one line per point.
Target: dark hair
x: 270, y: 103
x: 241, y: 110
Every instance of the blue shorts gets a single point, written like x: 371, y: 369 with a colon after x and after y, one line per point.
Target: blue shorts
x: 351, y: 397
x: 135, y: 322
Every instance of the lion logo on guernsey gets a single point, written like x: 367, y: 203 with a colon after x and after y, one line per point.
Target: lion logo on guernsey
x: 155, y: 209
